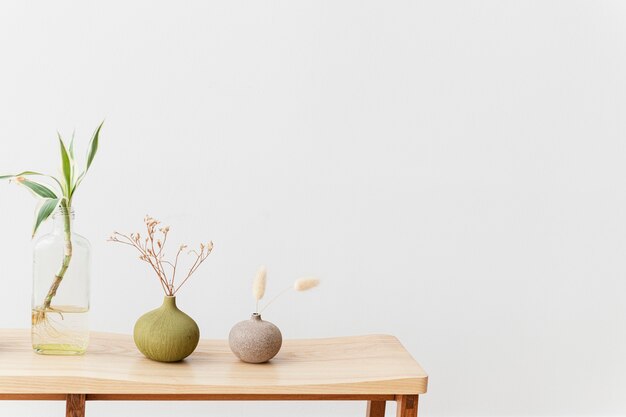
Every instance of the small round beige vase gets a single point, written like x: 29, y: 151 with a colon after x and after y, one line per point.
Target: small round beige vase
x: 255, y: 340
x: 166, y: 334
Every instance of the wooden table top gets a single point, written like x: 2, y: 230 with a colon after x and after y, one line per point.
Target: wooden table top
x: 348, y: 366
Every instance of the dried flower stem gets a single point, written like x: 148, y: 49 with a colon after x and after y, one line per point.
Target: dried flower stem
x: 275, y: 298
x: 151, y: 251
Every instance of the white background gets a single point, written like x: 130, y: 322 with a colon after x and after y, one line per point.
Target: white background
x: 453, y: 171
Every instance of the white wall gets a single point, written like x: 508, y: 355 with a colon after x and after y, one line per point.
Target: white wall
x: 454, y: 172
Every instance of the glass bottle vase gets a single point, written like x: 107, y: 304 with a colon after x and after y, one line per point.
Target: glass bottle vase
x: 60, y: 303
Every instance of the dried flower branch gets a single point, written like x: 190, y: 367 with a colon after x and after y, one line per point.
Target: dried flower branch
x: 258, y: 287
x: 151, y: 250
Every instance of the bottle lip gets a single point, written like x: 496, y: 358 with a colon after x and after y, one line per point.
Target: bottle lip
x: 63, y: 211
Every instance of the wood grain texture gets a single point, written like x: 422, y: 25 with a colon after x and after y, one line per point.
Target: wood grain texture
x: 407, y: 405
x: 376, y: 408
x: 75, y: 405
x: 363, y: 367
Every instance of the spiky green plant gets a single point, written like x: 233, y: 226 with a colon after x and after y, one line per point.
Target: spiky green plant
x: 59, y: 193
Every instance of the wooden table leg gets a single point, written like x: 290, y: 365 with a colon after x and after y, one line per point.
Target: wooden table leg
x: 376, y: 409
x: 75, y: 405
x: 407, y: 405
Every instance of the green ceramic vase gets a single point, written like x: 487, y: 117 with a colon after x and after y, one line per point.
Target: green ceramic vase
x: 166, y: 334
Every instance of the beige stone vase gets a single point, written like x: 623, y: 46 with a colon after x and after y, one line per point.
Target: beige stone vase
x: 255, y: 340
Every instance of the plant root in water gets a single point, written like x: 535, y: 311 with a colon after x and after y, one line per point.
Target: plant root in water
x: 60, y: 329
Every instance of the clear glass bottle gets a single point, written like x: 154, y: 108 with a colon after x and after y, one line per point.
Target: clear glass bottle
x: 60, y: 304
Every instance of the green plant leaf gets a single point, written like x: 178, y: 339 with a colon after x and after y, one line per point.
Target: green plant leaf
x: 66, y: 167
x: 78, y: 181
x: 93, y: 147
x: 4, y: 177
x: 71, y: 148
x: 44, y: 211
x: 72, y: 158
x: 39, y: 189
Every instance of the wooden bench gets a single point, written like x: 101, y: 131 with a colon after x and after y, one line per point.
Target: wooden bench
x: 373, y: 368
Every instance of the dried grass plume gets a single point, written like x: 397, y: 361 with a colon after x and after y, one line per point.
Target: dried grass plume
x: 304, y: 284
x: 258, y: 289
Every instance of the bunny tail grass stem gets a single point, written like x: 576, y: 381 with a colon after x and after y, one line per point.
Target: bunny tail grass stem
x: 275, y: 298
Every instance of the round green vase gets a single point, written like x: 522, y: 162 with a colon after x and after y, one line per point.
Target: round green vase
x: 166, y: 334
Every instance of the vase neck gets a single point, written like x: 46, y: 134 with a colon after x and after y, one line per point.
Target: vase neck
x: 169, y: 301
x: 63, y: 219
x: 256, y: 316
